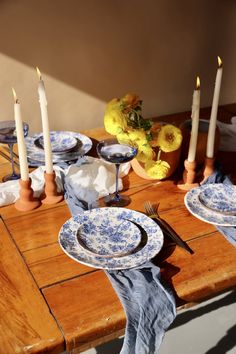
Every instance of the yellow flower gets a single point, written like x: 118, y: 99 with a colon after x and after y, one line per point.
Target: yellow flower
x: 145, y: 153
x: 169, y: 138
x: 114, y: 120
x: 123, y: 138
x: 139, y: 136
x: 157, y: 169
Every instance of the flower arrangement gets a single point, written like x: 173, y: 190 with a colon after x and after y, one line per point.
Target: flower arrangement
x: 123, y: 118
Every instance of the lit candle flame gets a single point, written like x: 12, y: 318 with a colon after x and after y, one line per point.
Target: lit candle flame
x: 39, y: 73
x: 198, y: 83
x: 219, y: 62
x: 14, y: 95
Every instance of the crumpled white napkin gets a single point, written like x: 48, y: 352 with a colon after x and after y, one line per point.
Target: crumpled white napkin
x: 93, y: 178
x: 227, y: 135
x: 90, y: 177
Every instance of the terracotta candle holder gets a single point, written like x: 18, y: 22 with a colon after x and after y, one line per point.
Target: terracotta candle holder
x: 189, y: 176
x: 50, y: 195
x: 26, y: 200
x: 208, y: 167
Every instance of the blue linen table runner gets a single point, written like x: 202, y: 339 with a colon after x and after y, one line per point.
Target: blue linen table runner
x: 149, y: 305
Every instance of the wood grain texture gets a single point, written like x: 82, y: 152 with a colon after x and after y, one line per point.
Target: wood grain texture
x: 26, y: 323
x: 39, y: 228
x: 87, y: 309
x: 51, y: 265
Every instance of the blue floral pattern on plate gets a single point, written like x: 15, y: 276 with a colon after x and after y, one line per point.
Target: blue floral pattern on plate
x: 194, y: 205
x: 84, y: 144
x: 110, y: 232
x: 60, y: 141
x: 219, y: 197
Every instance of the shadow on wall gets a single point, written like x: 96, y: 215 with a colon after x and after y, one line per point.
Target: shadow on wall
x: 107, y: 48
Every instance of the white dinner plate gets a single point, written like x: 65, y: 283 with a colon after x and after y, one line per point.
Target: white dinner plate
x: 195, y: 206
x: 84, y: 144
x: 111, y: 238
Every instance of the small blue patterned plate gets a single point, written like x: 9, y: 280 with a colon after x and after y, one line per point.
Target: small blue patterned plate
x: 195, y: 206
x: 219, y: 197
x: 83, y: 145
x: 111, y: 238
x: 60, y: 141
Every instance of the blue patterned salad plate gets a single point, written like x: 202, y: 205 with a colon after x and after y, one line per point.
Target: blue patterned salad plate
x: 202, y: 212
x: 60, y: 142
x: 111, y: 238
x: 82, y: 145
x: 219, y: 197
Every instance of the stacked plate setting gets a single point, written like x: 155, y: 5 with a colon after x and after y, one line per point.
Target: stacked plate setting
x: 66, y: 147
x: 111, y: 238
x: 213, y: 203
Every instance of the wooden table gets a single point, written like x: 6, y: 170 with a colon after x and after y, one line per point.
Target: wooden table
x: 49, y: 303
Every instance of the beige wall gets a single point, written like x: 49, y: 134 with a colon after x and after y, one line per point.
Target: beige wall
x: 90, y: 51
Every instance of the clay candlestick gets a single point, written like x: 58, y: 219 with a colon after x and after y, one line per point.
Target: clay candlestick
x: 26, y: 200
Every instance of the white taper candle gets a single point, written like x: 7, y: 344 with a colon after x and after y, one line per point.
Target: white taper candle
x: 24, y: 170
x: 195, y: 122
x: 214, y: 110
x: 45, y: 125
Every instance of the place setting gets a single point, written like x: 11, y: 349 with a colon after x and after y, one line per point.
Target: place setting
x: 213, y: 203
x: 111, y: 238
x: 66, y: 147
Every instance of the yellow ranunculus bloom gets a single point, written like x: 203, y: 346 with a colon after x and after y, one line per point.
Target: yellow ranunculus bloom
x: 113, y: 104
x: 157, y: 169
x: 145, y: 153
x: 123, y: 138
x: 114, y: 121
x: 139, y: 136
x: 169, y: 138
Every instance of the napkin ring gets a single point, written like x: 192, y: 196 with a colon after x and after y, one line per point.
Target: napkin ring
x: 51, y: 195
x: 26, y: 201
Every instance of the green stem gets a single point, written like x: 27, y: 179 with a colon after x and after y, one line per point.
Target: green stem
x: 159, y: 155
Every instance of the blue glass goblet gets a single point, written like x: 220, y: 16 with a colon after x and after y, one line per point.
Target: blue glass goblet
x: 112, y: 151
x: 8, y: 136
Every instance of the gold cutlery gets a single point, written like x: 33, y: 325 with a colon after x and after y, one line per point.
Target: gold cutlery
x: 152, y: 211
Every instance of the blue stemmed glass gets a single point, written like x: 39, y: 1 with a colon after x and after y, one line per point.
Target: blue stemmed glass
x: 8, y: 136
x: 112, y: 151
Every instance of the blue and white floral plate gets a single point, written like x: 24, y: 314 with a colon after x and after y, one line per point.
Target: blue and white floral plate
x: 34, y: 153
x: 198, y: 209
x: 60, y: 142
x: 111, y: 238
x: 219, y: 197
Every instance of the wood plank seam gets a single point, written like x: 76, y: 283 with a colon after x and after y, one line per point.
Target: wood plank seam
x: 69, y: 278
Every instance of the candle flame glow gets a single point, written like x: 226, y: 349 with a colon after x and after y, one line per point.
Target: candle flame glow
x: 39, y: 73
x: 219, y: 62
x: 198, y: 83
x: 14, y: 95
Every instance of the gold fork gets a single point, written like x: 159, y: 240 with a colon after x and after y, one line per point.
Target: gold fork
x: 152, y: 211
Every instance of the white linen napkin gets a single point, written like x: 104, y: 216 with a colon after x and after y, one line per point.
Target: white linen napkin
x: 92, y: 178
x: 227, y: 135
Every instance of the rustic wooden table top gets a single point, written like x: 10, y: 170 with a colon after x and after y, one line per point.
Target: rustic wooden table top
x: 49, y: 303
